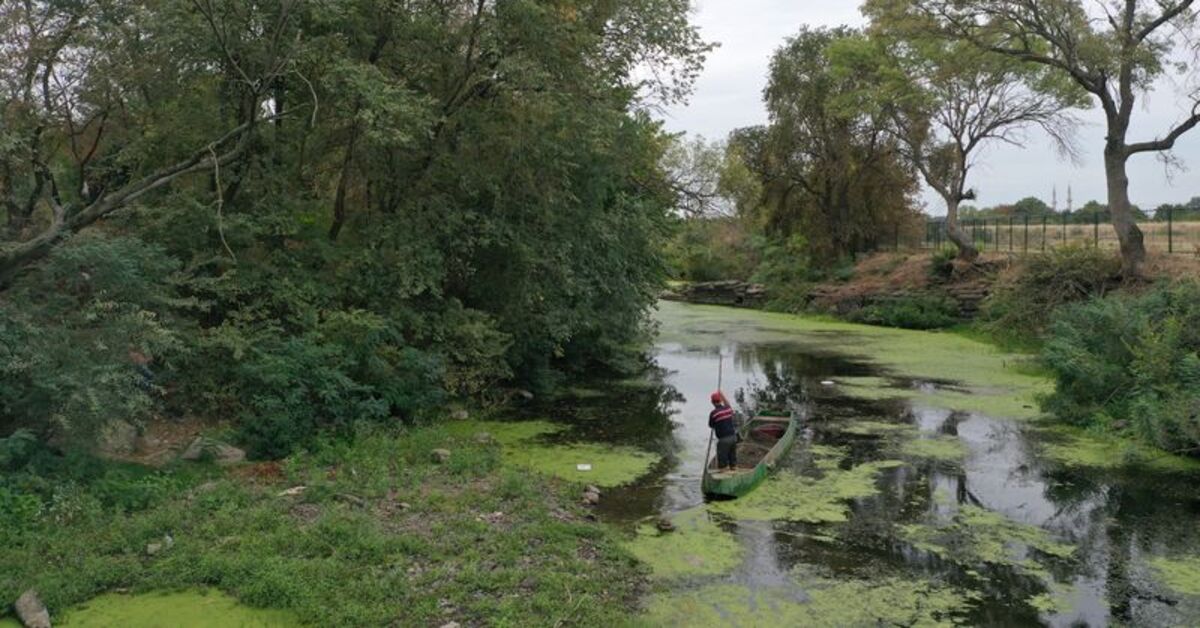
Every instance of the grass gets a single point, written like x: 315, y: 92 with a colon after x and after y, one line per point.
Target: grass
x: 380, y: 536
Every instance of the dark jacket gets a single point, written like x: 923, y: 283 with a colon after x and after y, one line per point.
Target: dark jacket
x: 721, y: 421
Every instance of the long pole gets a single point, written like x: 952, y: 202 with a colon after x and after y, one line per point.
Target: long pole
x: 720, y: 372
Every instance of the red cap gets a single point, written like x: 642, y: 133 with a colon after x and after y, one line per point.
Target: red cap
x: 717, y: 397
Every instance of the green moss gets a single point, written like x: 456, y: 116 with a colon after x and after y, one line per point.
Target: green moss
x: 815, y: 500
x: 188, y: 609
x: 888, y: 602
x: 941, y: 448
x: 523, y: 445
x: 1074, y: 447
x: 1181, y: 575
x: 697, y: 547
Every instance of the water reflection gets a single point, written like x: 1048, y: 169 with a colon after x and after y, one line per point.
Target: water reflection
x: 1115, y: 519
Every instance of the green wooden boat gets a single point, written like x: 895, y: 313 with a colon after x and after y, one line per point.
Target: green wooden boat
x: 765, y: 440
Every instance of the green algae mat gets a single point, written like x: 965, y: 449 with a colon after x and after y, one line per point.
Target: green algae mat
x: 987, y: 380
x: 186, y: 609
x: 531, y: 445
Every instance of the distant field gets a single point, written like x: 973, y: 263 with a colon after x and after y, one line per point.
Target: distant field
x: 1184, y: 238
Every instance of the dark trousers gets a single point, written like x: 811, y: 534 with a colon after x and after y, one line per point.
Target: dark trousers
x: 727, y: 451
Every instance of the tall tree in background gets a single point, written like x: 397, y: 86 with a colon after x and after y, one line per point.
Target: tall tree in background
x: 946, y: 100
x: 1114, y: 49
x: 830, y: 172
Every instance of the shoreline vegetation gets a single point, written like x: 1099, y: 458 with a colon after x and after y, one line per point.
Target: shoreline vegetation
x: 361, y: 532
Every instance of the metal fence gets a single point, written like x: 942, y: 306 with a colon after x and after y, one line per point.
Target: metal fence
x: 1023, y: 234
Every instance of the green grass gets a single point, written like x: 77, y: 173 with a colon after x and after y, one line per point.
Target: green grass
x: 380, y: 536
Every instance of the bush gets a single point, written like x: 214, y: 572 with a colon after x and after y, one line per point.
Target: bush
x: 941, y: 264
x: 785, y: 272
x: 1133, y: 363
x: 68, y: 332
x: 1024, y: 299
x: 914, y: 312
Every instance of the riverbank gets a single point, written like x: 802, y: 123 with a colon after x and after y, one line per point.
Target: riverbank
x: 369, y: 532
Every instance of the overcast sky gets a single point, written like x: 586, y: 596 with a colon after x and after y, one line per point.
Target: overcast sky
x: 728, y: 95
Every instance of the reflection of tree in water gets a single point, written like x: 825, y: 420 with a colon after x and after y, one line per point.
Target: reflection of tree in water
x: 786, y: 375
x: 633, y: 411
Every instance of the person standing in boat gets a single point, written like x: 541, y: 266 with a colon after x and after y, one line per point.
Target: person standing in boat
x: 722, y: 423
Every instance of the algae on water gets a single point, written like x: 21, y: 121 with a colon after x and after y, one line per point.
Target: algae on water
x: 791, y: 497
x: 696, y: 547
x: 941, y: 448
x: 1181, y: 575
x: 187, y: 609
x: 818, y: 603
x: 1074, y: 447
x: 975, y: 535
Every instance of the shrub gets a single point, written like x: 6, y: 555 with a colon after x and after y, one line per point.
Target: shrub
x: 1025, y: 298
x: 913, y: 312
x: 941, y: 264
x: 1131, y: 362
x: 68, y: 330
x: 785, y: 272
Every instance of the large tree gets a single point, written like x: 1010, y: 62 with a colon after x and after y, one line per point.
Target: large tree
x: 831, y: 173
x: 1115, y: 50
x: 947, y: 100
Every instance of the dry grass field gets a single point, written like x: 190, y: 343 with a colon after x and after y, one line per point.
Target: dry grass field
x: 1184, y: 237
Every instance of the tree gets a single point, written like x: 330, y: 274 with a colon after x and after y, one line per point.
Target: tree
x: 1032, y: 207
x: 1115, y: 54
x: 946, y: 100
x: 829, y: 172
x: 83, y: 80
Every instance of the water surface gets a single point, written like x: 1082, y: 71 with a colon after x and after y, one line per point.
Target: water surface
x: 919, y: 493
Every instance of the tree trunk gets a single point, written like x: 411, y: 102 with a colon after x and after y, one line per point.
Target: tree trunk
x: 966, y: 248
x: 1133, y: 249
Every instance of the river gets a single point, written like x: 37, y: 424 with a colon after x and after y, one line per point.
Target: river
x: 923, y: 490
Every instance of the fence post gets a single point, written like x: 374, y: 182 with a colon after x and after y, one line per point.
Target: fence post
x: 1026, y: 246
x: 1010, y: 234
x: 997, y: 234
x: 1064, y: 229
x: 1170, y: 230
x: 1044, y: 220
x: 1096, y: 229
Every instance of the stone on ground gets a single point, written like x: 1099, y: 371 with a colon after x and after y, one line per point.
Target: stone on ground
x: 31, y: 611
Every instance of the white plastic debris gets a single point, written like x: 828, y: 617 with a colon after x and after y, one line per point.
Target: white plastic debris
x: 827, y: 382
x: 583, y: 467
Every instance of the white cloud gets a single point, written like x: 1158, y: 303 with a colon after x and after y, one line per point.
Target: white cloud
x: 729, y: 95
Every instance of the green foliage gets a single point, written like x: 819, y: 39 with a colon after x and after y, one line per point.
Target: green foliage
x: 1131, y: 362
x: 941, y: 264
x: 924, y: 311
x: 1026, y: 297
x: 712, y: 249
x: 827, y: 170
x: 785, y: 272
x: 458, y: 197
x: 69, y: 331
